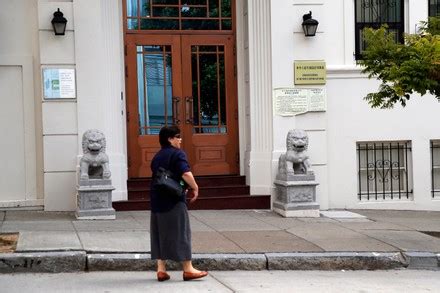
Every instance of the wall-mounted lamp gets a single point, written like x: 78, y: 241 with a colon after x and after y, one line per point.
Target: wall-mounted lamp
x: 309, y: 25
x: 59, y: 23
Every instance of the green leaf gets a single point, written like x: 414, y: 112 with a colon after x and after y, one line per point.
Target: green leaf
x: 403, y: 69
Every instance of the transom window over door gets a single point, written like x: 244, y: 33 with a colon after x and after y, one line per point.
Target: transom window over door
x: 162, y: 15
x: 374, y: 14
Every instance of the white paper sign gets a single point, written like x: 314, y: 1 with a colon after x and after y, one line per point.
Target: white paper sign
x: 59, y: 83
x: 294, y: 101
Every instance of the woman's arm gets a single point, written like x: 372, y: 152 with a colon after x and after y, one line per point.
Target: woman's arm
x: 189, y: 179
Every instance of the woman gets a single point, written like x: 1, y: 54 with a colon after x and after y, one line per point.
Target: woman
x: 170, y: 229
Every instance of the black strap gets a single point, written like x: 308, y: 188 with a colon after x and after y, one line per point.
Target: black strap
x: 169, y: 159
x: 167, y: 167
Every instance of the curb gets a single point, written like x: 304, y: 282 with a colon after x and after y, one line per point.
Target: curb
x: 74, y: 261
x: 43, y: 262
x: 335, y: 261
x: 142, y: 262
x: 120, y: 262
x: 231, y: 262
x: 422, y: 260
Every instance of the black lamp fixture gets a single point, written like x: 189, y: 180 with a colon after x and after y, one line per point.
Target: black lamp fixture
x: 309, y: 25
x: 59, y: 23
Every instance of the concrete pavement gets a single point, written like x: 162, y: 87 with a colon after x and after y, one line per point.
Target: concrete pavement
x: 227, y: 240
x: 230, y: 281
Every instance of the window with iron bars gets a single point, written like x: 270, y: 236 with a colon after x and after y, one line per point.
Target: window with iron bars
x: 435, y: 168
x: 374, y: 14
x: 384, y: 171
x: 434, y: 8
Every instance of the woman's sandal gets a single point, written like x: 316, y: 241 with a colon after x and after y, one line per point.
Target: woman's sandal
x: 187, y: 276
x: 162, y: 276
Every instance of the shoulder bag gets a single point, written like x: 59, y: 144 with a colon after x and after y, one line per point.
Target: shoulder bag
x: 164, y: 182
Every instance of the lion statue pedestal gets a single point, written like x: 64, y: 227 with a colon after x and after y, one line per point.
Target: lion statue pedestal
x: 295, y: 182
x: 94, y: 197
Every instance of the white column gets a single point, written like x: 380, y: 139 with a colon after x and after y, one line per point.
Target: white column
x: 99, y: 65
x: 259, y: 152
x: 115, y: 104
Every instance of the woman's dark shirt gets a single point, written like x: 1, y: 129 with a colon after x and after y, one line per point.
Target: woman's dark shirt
x: 178, y: 166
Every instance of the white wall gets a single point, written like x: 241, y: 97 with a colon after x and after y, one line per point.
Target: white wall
x: 12, y: 129
x: 93, y: 47
x: 288, y: 45
x: 20, y: 183
x: 348, y: 119
x: 60, y: 131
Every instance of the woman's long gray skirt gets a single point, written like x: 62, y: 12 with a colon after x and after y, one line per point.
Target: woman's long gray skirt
x: 170, y: 234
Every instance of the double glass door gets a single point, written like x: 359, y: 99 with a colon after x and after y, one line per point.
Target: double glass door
x: 188, y: 81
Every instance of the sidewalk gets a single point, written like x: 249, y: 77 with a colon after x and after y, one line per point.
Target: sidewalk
x: 227, y: 240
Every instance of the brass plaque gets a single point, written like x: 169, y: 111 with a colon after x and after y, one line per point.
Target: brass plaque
x: 310, y: 72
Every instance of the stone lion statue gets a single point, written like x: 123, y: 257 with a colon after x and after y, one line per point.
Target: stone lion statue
x: 94, y: 163
x: 295, y: 160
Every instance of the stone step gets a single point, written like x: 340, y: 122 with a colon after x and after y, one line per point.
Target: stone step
x: 213, y: 191
x: 209, y: 203
x: 202, y: 181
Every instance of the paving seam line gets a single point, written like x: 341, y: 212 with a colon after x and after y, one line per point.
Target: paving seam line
x: 270, y: 224
x: 77, y: 235
x: 308, y: 241
x: 222, y: 282
x: 377, y: 239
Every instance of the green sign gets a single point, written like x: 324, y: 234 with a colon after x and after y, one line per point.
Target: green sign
x: 310, y: 72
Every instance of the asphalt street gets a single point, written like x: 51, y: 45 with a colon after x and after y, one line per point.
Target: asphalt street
x: 228, y: 281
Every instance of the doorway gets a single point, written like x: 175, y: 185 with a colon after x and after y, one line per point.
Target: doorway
x: 181, y: 70
x: 188, y: 81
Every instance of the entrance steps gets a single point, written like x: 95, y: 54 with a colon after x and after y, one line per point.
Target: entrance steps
x: 215, y: 193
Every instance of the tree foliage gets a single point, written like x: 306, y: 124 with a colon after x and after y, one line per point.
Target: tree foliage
x: 405, y: 68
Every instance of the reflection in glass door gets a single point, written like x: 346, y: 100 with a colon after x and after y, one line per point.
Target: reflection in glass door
x: 154, y: 80
x: 208, y: 88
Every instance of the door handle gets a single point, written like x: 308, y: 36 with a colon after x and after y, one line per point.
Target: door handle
x: 189, y: 110
x: 176, y: 119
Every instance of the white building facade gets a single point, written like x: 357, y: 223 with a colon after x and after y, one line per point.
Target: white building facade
x: 363, y: 158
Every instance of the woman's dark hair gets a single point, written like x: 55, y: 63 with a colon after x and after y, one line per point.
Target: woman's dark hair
x: 167, y: 132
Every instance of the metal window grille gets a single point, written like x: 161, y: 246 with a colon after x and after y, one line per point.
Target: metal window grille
x: 434, y: 8
x: 435, y: 168
x: 384, y: 171
x: 375, y: 13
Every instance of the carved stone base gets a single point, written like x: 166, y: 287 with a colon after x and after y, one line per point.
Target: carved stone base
x: 298, y: 214
x: 296, y: 198
x: 99, y: 214
x: 94, y: 200
x: 295, y: 177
